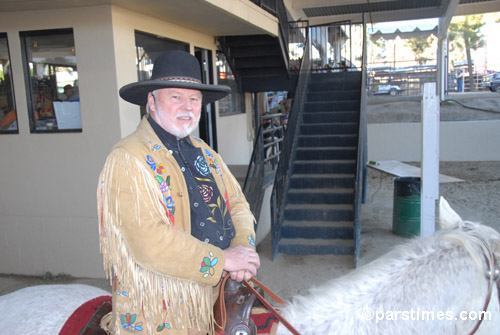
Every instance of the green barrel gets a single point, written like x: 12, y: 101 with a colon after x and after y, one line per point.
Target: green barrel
x: 406, y: 211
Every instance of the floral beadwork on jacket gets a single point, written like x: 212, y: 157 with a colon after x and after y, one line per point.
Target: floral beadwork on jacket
x: 165, y: 326
x: 207, y: 265
x: 128, y: 322
x: 252, y: 240
x: 164, y: 184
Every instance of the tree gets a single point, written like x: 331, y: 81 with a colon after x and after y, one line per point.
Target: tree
x: 465, y: 33
x: 418, y: 47
x: 378, y: 50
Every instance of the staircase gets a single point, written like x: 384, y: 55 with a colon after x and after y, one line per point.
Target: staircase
x: 258, y: 62
x: 319, y: 211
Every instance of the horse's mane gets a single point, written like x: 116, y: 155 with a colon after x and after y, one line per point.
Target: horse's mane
x: 476, y: 239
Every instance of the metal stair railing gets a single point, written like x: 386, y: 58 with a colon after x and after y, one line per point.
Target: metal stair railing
x: 252, y: 188
x: 283, y: 172
x: 284, y: 28
x: 361, y: 173
x: 273, y: 135
x: 266, y: 153
x: 278, y: 9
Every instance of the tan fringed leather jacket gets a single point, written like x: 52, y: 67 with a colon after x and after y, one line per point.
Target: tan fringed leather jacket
x: 162, y: 276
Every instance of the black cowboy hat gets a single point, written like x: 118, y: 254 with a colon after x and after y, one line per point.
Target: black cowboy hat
x: 173, y: 69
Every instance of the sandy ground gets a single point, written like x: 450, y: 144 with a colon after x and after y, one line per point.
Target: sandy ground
x: 475, y: 199
x: 482, y: 105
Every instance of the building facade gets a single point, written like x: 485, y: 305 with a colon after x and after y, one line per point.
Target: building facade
x: 48, y: 218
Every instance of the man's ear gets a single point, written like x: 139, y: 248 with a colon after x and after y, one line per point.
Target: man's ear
x: 151, y: 102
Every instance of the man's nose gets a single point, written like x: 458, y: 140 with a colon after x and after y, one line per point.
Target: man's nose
x: 188, y: 104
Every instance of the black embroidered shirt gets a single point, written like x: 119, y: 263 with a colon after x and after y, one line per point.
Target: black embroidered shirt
x: 210, y: 218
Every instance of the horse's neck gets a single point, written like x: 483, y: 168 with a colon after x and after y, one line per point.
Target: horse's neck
x: 421, y: 277
x: 445, y: 277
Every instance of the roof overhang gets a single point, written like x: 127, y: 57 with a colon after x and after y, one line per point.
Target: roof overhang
x: 328, y: 11
x: 214, y: 17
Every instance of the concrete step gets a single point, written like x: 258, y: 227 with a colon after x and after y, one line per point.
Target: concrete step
x: 321, y: 196
x: 336, y: 77
x: 334, y: 95
x: 324, y: 166
x: 331, y: 106
x: 330, y: 117
x: 301, y: 246
x: 317, y: 229
x: 328, y: 140
x: 319, y: 212
x: 326, y: 153
x: 329, y: 128
x: 333, y: 180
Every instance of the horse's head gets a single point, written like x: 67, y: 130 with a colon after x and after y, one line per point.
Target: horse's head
x: 478, y: 239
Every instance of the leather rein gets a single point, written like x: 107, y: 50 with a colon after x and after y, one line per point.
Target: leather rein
x: 268, y: 305
x: 493, y: 276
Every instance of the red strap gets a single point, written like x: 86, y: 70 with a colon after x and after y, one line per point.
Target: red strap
x: 268, y: 305
x: 268, y: 291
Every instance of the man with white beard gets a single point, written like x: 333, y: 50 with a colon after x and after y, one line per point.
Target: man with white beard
x: 172, y: 218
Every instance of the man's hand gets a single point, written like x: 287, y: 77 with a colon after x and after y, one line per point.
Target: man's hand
x: 241, y: 262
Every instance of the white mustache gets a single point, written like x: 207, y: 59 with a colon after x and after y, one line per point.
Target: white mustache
x: 186, y: 114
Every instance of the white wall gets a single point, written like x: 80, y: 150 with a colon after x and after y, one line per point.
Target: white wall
x: 233, y: 144
x: 48, y: 216
x: 235, y: 136
x: 459, y: 141
x: 264, y: 221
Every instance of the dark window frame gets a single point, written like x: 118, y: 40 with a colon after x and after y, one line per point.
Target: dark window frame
x: 234, y: 111
x: 28, y: 83
x: 12, y: 93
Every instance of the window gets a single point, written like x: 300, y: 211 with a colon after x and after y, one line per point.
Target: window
x: 234, y: 102
x: 8, y: 114
x: 52, y: 80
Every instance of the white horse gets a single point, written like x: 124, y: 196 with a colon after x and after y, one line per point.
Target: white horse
x: 44, y: 309
x: 434, y: 285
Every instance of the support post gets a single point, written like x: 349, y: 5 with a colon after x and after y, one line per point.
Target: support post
x: 430, y: 159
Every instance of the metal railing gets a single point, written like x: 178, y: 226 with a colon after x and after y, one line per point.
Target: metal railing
x: 272, y: 138
x: 361, y: 180
x: 283, y: 172
x: 278, y: 9
x: 268, y: 5
x: 336, y: 46
x: 265, y: 157
x: 297, y: 31
x: 252, y: 188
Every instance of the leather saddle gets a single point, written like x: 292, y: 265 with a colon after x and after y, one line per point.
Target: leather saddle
x: 233, y: 308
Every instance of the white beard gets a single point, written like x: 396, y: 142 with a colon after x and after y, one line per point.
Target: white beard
x: 187, y: 129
